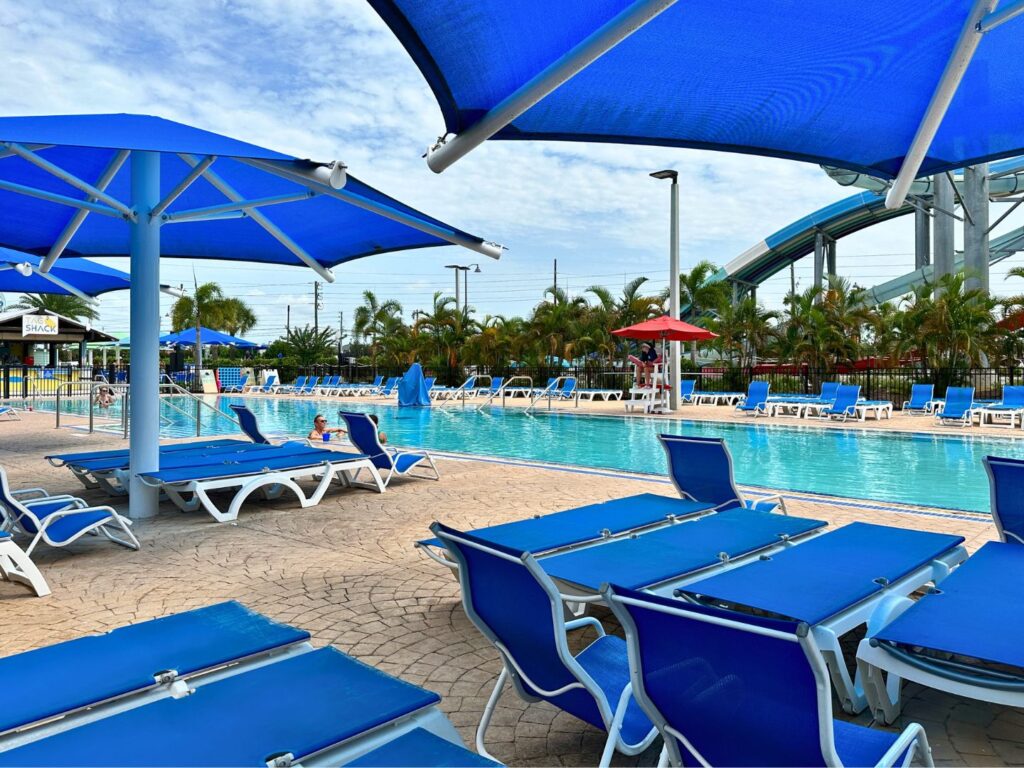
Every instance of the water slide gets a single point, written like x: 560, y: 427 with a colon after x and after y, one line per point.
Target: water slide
x: 852, y: 214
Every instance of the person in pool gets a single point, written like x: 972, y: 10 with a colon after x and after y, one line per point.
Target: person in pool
x: 381, y: 437
x: 320, y: 429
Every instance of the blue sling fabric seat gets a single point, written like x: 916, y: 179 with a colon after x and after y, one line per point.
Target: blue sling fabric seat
x: 826, y: 574
x: 1006, y: 483
x: 958, y: 407
x: 728, y: 689
x: 531, y: 640
x: 60, y: 459
x: 665, y: 554
x: 686, y: 389
x: 701, y: 469
x: 580, y: 525
x: 291, y: 455
x: 829, y: 390
x: 297, y: 706
x: 419, y: 748
x: 756, y: 401
x: 66, y: 677
x: 247, y: 422
x: 391, y: 461
x: 921, y: 398
x: 180, y: 458
x: 844, y: 405
x: 969, y: 615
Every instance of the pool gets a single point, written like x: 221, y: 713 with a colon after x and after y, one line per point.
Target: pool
x: 913, y: 468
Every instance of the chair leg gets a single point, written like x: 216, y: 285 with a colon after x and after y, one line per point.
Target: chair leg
x: 131, y: 543
x: 16, y: 566
x: 616, y: 725
x: 485, y: 719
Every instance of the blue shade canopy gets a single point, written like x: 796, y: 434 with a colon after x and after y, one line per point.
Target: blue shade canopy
x: 333, y: 226
x: 206, y: 336
x: 845, y: 82
x: 83, y: 276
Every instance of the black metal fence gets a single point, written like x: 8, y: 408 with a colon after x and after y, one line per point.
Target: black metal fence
x: 28, y: 382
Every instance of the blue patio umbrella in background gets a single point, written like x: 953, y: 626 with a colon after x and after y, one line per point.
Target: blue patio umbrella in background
x: 187, y: 338
x: 141, y: 186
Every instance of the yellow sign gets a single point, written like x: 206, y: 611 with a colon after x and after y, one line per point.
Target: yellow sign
x: 39, y: 325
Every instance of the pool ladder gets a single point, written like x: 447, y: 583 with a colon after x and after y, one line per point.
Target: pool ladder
x: 502, y: 391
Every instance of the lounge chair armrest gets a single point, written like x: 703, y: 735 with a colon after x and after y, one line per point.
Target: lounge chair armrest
x: 586, y: 621
x: 912, y: 732
x: 429, y: 552
x: 776, y: 497
x: 27, y: 491
x: 74, y: 501
x: 68, y: 512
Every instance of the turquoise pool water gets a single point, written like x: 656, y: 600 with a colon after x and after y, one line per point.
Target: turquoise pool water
x: 914, y: 468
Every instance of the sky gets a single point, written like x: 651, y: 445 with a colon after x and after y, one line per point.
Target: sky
x: 326, y: 79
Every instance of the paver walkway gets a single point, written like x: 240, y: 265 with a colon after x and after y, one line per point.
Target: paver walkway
x: 347, y: 572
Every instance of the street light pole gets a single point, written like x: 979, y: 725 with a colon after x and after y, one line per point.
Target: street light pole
x: 456, y: 267
x: 673, y: 284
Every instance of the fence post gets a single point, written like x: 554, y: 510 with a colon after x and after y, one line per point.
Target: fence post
x: 867, y: 385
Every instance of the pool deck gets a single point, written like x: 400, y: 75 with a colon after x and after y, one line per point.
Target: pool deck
x: 347, y: 572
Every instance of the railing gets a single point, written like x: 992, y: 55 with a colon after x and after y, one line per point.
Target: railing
x: 461, y: 392
x: 553, y: 388
x: 167, y: 383
x: 501, y: 391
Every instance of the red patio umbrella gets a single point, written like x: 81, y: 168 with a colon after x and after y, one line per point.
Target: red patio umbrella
x: 665, y: 328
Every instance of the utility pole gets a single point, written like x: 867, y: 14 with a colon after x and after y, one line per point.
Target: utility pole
x: 556, y: 275
x: 316, y: 307
x: 792, y: 278
x: 288, y: 320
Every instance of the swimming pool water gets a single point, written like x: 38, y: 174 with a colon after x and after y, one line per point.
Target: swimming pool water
x: 913, y: 468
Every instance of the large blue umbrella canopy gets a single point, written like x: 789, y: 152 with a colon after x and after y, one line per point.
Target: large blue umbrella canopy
x: 187, y: 337
x: 332, y: 227
x: 844, y: 82
x: 19, y: 273
x: 140, y: 186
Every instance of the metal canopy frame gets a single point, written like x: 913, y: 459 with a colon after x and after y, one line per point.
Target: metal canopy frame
x: 145, y: 215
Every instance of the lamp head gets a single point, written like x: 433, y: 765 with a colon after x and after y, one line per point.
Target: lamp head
x: 477, y: 270
x: 666, y: 174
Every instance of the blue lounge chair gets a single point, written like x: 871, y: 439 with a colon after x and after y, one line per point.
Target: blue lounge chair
x: 829, y: 390
x: 532, y: 643
x: 568, y: 390
x: 57, y: 520
x: 390, y: 387
x: 295, y: 386
x: 701, y: 469
x: 963, y: 638
x: 728, y: 689
x: 493, y: 389
x: 247, y: 423
x: 921, y: 400
x: 390, y: 461
x: 18, y: 567
x: 687, y: 387
x: 270, y: 388
x: 756, y: 401
x: 595, y: 522
x: 1010, y: 409
x: 325, y: 387
x: 10, y: 412
x: 429, y: 382
x: 845, y: 404
x: 272, y: 470
x: 860, y: 574
x: 1006, y: 484
x: 184, y: 674
x: 958, y: 407
x: 310, y: 387
x: 239, y: 387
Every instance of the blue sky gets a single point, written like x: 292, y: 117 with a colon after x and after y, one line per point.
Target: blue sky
x: 326, y: 79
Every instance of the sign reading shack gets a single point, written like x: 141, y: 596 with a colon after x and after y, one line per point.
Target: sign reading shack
x: 39, y: 325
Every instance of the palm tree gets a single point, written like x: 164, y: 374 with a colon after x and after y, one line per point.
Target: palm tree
x: 310, y: 346
x: 374, y: 319
x: 697, y: 294
x: 205, y: 307
x: 556, y: 323
x: 238, y: 318
x: 68, y: 306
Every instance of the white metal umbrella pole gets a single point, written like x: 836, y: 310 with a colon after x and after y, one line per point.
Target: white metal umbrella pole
x: 144, y: 398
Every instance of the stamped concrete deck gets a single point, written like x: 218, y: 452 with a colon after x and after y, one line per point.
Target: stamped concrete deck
x: 347, y: 572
